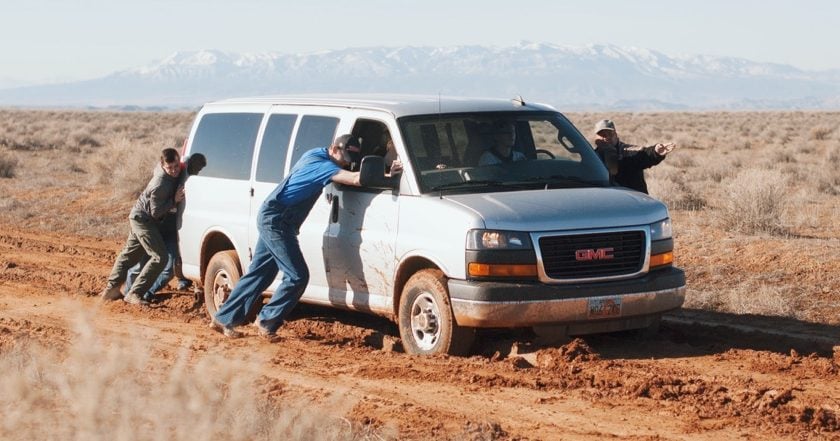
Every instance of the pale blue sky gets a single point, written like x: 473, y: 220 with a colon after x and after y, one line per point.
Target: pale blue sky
x: 62, y: 40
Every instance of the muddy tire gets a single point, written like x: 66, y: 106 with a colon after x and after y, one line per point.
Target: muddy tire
x: 425, y: 319
x: 223, y: 272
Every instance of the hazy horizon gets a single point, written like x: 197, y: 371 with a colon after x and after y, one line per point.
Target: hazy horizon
x: 63, y: 42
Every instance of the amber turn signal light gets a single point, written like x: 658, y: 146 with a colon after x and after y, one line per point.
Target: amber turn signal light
x: 501, y: 270
x: 662, y: 259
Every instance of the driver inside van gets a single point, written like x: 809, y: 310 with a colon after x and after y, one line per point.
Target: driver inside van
x: 388, y: 152
x: 501, y: 151
x: 278, y: 222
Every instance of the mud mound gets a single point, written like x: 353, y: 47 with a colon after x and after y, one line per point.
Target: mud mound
x: 554, y: 359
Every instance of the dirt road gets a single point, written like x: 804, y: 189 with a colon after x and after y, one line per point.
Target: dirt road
x: 691, y: 381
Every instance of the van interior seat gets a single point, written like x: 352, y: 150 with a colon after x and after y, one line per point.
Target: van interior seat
x: 478, y: 141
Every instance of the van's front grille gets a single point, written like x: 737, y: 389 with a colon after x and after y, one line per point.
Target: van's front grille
x: 586, y: 256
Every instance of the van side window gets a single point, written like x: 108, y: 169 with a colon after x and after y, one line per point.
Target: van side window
x: 437, y: 144
x: 314, y: 131
x: 553, y: 139
x: 227, y: 140
x: 275, y: 144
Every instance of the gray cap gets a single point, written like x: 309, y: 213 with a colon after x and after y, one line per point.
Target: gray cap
x: 604, y: 124
x: 351, y: 146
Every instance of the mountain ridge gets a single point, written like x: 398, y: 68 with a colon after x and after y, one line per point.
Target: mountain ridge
x: 593, y: 77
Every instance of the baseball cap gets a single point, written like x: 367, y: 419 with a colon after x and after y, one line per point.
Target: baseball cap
x: 351, y: 146
x: 604, y: 124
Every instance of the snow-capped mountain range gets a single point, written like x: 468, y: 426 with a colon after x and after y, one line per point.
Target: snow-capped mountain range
x: 571, y: 78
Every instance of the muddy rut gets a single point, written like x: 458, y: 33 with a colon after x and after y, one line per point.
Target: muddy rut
x: 698, y: 378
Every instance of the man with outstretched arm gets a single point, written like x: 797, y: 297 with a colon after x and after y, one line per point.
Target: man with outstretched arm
x: 278, y: 222
x: 626, y: 163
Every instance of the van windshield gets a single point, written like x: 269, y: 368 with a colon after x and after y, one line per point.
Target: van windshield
x: 492, y: 151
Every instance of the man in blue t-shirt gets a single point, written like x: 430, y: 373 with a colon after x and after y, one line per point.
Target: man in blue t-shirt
x: 278, y: 222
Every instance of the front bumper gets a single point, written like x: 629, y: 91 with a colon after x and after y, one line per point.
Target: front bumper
x: 506, y: 305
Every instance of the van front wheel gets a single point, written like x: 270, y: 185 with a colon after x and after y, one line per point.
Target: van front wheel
x: 221, y: 276
x: 425, y: 319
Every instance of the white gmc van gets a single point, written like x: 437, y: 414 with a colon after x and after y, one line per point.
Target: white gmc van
x: 537, y: 237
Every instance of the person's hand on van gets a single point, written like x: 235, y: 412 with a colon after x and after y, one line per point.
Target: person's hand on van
x: 396, y: 168
x: 180, y: 194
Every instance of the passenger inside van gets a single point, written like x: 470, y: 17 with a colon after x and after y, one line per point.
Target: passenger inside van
x: 501, y: 150
x: 376, y: 140
x: 387, y: 150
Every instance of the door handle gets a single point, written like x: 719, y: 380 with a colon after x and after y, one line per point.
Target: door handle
x: 334, y: 209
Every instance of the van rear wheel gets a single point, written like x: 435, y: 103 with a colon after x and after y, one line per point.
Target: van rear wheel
x: 425, y: 319
x: 223, y: 272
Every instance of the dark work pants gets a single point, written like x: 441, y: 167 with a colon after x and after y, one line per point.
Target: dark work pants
x: 143, y: 239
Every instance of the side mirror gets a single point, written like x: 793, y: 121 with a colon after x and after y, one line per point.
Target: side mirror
x: 372, y: 174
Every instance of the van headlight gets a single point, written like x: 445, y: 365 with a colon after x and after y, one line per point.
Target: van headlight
x: 497, y: 254
x: 498, y: 240
x: 661, y: 230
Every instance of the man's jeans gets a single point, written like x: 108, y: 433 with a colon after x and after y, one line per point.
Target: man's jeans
x: 171, y: 242
x: 275, y: 251
x: 143, y: 239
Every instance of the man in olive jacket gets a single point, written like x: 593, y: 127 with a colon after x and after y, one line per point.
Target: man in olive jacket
x: 160, y: 195
x: 626, y: 163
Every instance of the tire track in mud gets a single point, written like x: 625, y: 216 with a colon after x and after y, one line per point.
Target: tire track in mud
x: 52, y: 243
x: 56, y: 263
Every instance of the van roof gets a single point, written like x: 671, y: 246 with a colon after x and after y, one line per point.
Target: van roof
x: 398, y: 105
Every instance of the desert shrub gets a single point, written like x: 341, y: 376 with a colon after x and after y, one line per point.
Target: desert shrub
x: 784, y: 156
x: 125, y: 166
x: 827, y: 180
x: 832, y: 156
x: 754, y: 202
x: 827, y: 176
x: 716, y: 171
x: 27, y: 143
x: 681, y: 160
x: 821, y: 133
x: 676, y: 194
x: 76, y: 168
x: 8, y: 165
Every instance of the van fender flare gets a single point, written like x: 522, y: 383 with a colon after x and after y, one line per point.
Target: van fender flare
x: 211, y: 244
x: 408, y: 264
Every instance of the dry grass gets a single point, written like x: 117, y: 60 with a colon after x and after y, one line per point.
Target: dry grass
x: 720, y: 159
x: 754, y: 202
x: 8, y: 164
x: 98, y: 162
x: 97, y: 389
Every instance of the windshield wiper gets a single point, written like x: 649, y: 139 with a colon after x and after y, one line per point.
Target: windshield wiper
x: 474, y: 183
x: 558, y: 179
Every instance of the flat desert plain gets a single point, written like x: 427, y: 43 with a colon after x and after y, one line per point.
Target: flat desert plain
x: 754, y: 354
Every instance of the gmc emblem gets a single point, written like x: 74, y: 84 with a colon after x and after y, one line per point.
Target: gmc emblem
x: 599, y: 254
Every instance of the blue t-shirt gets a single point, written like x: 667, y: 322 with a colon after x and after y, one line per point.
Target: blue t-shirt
x: 313, y: 171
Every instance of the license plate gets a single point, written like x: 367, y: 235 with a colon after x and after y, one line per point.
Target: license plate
x: 603, y: 307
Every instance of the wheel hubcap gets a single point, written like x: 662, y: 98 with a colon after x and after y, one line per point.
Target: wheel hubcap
x: 221, y: 288
x: 425, y: 321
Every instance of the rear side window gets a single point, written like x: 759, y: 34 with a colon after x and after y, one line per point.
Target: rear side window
x: 314, y: 131
x: 275, y: 144
x: 227, y: 140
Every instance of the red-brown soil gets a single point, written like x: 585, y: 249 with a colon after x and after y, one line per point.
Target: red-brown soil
x: 703, y: 376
